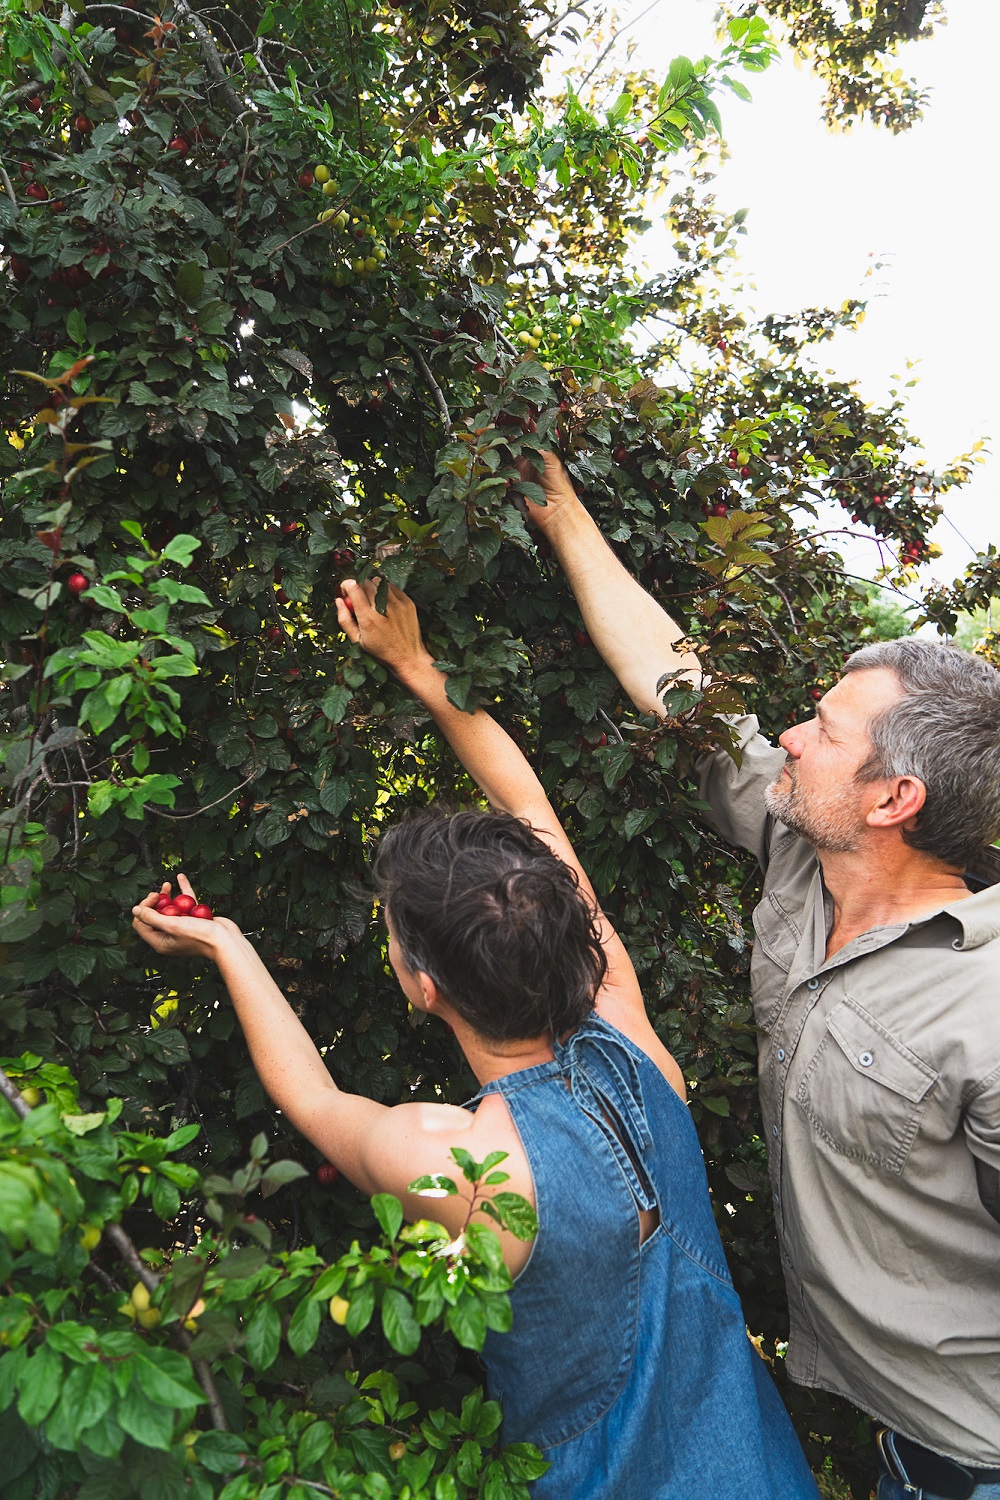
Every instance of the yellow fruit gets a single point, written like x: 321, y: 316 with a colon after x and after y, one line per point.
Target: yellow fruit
x: 140, y: 1297
x: 379, y: 253
x: 536, y: 332
x: 371, y: 264
x: 575, y: 320
x: 148, y: 1317
x: 127, y: 1310
x: 358, y: 266
x: 321, y: 174
x: 339, y: 1308
x: 90, y: 1238
x: 524, y: 337
x: 31, y: 1097
x: 341, y: 220
x: 189, y: 1439
x: 396, y: 1451
x: 331, y: 188
x: 534, y: 343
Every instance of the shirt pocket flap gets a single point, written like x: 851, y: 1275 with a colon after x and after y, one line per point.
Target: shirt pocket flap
x: 876, y: 1053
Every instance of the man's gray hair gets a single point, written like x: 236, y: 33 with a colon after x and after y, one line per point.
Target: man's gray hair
x: 945, y: 730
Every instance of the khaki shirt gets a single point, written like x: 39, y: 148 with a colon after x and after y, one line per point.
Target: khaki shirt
x: 880, y: 1089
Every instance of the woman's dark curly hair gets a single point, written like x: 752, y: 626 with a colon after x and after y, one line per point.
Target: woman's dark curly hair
x: 482, y: 905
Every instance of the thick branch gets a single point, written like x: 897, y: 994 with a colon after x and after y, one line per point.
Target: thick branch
x: 213, y: 61
x: 9, y: 187
x: 13, y: 1096
x: 435, y: 391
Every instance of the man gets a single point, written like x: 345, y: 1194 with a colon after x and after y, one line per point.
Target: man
x: 628, y: 1363
x: 876, y: 987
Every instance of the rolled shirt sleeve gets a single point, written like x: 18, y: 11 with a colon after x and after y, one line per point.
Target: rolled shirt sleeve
x: 735, y: 793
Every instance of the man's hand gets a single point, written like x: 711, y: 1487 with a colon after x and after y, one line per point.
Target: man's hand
x: 180, y: 937
x: 394, y: 638
x: 555, y: 484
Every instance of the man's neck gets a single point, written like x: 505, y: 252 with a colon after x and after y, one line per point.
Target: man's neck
x: 882, y: 887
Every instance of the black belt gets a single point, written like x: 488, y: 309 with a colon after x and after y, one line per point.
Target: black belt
x: 921, y: 1469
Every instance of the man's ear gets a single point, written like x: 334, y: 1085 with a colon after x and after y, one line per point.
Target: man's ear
x: 899, y: 804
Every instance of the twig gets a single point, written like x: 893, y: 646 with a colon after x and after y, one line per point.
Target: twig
x: 182, y: 817
x: 133, y: 15
x: 435, y: 390
x: 9, y: 187
x: 614, y: 37
x: 213, y: 61
x: 13, y: 1096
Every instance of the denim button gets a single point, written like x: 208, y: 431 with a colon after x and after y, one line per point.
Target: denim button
x: 781, y: 1054
x: 813, y: 984
x: 774, y: 1131
x: 865, y: 1059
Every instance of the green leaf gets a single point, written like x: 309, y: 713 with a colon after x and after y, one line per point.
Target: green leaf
x: 180, y: 549
x: 264, y: 1336
x: 303, y: 1330
x: 389, y: 1212
x: 76, y: 326
x: 334, y: 704
x: 167, y: 1377
x: 38, y: 1386
x: 190, y: 281
x: 399, y: 1323
x: 516, y: 1214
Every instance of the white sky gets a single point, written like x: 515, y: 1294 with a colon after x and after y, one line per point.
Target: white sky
x: 924, y: 202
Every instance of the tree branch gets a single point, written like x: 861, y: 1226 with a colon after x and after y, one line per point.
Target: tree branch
x: 213, y: 61
x: 9, y: 187
x: 13, y: 1096
x: 435, y: 390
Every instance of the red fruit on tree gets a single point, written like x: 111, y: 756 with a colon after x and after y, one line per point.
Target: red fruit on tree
x: 582, y: 638
x: 202, y: 911
x: 718, y: 509
x: 816, y: 693
x: 185, y: 904
x: 621, y: 455
x: 19, y: 269
x: 289, y: 526
x: 274, y: 633
x: 327, y: 1174
x: 877, y: 500
x: 83, y: 124
x: 306, y: 179
x: 77, y: 582
x: 745, y: 472
x: 178, y: 143
x: 721, y: 345
x: 37, y: 190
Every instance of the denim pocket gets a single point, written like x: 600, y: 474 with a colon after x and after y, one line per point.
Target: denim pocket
x: 777, y: 938
x: 864, y: 1091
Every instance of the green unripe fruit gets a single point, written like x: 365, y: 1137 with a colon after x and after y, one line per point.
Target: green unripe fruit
x: 321, y: 174
x: 32, y: 1097
x: 575, y: 320
x: 331, y: 187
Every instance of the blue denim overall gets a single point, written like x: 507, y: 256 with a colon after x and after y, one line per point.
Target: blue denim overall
x: 629, y: 1365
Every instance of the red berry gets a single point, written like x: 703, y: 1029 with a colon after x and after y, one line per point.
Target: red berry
x: 289, y: 526
x: 164, y: 902
x: 19, y: 269
x: 877, y: 500
x: 37, y: 190
x: 327, y: 1174
x: 350, y: 607
x: 169, y: 910
x: 582, y: 638
x: 745, y: 472
x: 83, y: 125
x: 721, y: 345
x: 178, y: 143
x: 202, y: 911
x: 35, y: 103
x: 77, y: 582
x: 734, y: 454
x: 306, y: 179
x: 185, y: 904
x: 816, y: 693
x: 621, y: 455
x: 718, y: 509
x: 274, y: 633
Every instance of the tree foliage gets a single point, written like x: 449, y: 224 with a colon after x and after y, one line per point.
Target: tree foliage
x: 289, y: 289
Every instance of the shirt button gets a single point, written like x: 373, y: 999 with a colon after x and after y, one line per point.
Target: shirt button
x: 781, y: 1054
x: 865, y: 1059
x: 774, y: 1131
x: 813, y: 984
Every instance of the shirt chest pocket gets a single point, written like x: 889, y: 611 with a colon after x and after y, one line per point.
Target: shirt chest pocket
x: 864, y: 1091
x: 776, y: 943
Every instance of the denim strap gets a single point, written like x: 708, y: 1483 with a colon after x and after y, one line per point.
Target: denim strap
x: 602, y: 1072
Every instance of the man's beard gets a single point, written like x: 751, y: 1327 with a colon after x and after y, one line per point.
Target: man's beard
x: 829, y: 820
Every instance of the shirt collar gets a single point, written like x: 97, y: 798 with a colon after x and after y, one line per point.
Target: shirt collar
x: 978, y: 916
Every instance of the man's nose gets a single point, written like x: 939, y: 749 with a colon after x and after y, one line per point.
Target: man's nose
x: 792, y: 740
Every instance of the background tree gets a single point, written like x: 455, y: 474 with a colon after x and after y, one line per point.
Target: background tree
x: 290, y: 288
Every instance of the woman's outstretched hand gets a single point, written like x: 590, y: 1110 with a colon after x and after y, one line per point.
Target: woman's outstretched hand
x: 394, y: 638
x: 180, y: 937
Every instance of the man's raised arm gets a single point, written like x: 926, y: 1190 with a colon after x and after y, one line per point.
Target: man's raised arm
x: 634, y: 635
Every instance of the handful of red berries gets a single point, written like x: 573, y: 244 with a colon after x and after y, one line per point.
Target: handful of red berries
x: 183, y: 906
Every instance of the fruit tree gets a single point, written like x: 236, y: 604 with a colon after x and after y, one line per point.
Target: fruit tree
x: 288, y: 289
